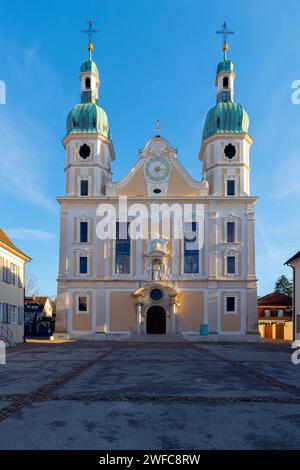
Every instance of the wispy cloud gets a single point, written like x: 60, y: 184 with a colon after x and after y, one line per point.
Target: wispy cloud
x: 20, y: 168
x: 287, y: 177
x: 29, y: 234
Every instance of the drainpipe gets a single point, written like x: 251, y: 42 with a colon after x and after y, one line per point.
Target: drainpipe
x: 294, y: 297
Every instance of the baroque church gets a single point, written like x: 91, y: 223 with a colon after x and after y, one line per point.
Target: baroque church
x: 124, y: 287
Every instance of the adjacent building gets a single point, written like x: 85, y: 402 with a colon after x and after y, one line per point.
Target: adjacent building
x: 39, y: 316
x: 12, y: 288
x: 123, y: 287
x: 294, y: 262
x: 275, y: 316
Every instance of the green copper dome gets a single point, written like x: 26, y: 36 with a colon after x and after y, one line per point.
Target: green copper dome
x: 88, y: 118
x: 226, y: 117
x: 89, y: 66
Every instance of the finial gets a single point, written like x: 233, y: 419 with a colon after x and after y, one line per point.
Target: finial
x: 90, y: 31
x: 225, y: 32
x: 157, y: 128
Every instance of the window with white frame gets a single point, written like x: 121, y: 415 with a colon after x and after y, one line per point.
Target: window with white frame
x: 230, y: 307
x: 230, y: 187
x: 230, y: 231
x: 191, y: 248
x: 122, y: 249
x: 13, y: 314
x: 84, y: 231
x: 231, y: 264
x: 83, y: 264
x: 84, y: 187
x: 82, y: 304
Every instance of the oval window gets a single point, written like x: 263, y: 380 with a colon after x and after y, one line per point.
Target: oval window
x: 157, y: 191
x: 156, y: 294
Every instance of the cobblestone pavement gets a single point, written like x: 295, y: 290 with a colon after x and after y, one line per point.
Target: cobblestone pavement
x: 134, y: 395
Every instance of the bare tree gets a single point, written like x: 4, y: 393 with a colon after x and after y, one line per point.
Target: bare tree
x: 32, y: 287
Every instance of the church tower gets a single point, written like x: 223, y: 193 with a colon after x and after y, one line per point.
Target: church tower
x: 89, y: 149
x: 226, y: 142
x: 225, y: 160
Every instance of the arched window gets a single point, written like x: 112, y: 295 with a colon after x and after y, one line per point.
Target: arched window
x: 87, y: 83
x: 225, y: 82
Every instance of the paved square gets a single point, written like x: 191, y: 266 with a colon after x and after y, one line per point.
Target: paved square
x: 109, y: 395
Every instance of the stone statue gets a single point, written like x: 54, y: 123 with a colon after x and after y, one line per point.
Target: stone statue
x: 156, y: 270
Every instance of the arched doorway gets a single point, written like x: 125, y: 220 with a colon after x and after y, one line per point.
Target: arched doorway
x: 156, y: 321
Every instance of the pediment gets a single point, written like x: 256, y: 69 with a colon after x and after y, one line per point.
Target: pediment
x: 179, y: 182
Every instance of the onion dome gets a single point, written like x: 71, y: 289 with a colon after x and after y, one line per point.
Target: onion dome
x: 88, y: 116
x: 226, y: 116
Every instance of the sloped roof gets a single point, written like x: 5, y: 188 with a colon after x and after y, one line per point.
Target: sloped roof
x: 293, y: 258
x: 7, y: 241
x: 276, y: 299
x: 36, y: 300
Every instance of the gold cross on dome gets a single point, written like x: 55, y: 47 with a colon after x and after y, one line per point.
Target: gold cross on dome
x: 225, y: 32
x: 90, y: 31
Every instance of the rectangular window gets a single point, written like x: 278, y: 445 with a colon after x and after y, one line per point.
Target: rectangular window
x: 82, y: 304
x: 230, y: 232
x: 191, y: 250
x: 83, y: 232
x: 1, y: 312
x: 230, y: 304
x: 122, y: 265
x: 230, y: 264
x: 13, y: 314
x: 83, y: 263
x: 230, y: 187
x: 84, y: 188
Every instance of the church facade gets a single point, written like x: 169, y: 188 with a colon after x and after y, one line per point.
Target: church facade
x: 122, y: 286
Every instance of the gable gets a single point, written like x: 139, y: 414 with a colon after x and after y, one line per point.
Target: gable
x: 138, y: 182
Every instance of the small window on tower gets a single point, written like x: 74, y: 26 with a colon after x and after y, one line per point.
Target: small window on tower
x: 225, y: 82
x: 84, y: 188
x: 87, y: 83
x: 230, y: 187
x: 230, y: 151
x: 85, y: 151
x: 218, y: 123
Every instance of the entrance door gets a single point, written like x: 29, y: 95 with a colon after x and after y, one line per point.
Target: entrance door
x: 156, y: 321
x: 280, y: 331
x: 269, y: 332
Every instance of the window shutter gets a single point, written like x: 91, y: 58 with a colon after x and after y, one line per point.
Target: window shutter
x: 5, y: 313
x: 8, y: 274
x: 19, y: 273
x: 1, y: 269
x: 9, y: 315
x: 20, y: 315
x: 4, y: 271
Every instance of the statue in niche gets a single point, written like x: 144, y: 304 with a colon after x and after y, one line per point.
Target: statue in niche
x: 156, y: 270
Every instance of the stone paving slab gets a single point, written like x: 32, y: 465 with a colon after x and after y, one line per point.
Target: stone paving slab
x: 246, y: 354
x: 188, y: 379
x: 287, y: 373
x: 25, y: 376
x: 166, y: 426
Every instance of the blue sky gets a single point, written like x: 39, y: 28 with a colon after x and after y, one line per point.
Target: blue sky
x: 157, y: 60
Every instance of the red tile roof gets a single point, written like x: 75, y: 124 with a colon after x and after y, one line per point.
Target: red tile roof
x: 275, y: 299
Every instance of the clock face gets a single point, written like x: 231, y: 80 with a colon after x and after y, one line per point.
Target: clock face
x: 157, y: 169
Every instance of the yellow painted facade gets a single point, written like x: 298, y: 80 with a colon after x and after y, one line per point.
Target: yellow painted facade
x: 160, y: 288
